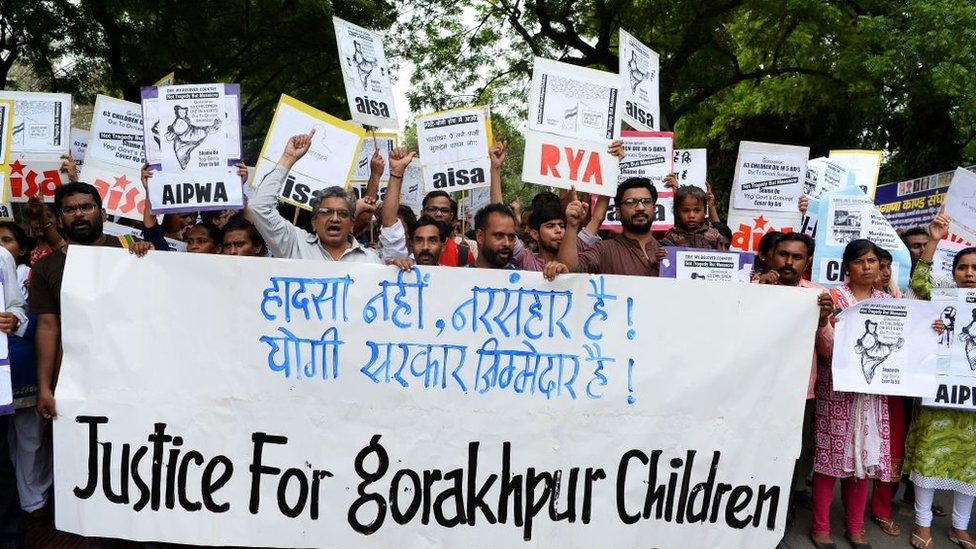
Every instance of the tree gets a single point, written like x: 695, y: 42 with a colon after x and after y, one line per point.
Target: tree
x: 829, y: 74
x: 270, y: 48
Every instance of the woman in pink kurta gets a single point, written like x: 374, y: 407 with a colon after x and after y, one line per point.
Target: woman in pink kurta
x: 851, y: 430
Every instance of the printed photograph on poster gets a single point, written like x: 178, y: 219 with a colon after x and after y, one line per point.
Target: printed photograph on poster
x: 574, y: 102
x: 647, y: 154
x: 823, y: 175
x: 382, y: 142
x: 768, y: 181
x: 864, y: 167
x: 715, y: 266
x: 960, y: 199
x: 79, y: 142
x: 366, y: 75
x: 454, y: 148
x: 640, y: 69
x: 886, y: 347
x: 191, y: 119
x: 691, y: 167
x: 329, y: 161
x: 41, y: 122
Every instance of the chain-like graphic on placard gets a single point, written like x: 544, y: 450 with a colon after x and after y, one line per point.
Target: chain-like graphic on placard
x: 185, y: 136
x: 636, y: 75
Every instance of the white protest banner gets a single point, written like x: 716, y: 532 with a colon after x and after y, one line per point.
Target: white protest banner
x: 647, y: 154
x: 960, y: 200
x: 769, y: 177
x: 823, y: 175
x: 863, y: 165
x: 454, y: 147
x: 189, y: 191
x: 845, y: 215
x: 330, y: 159
x: 79, y: 143
x: 640, y: 69
x: 945, y: 253
x: 696, y: 264
x: 691, y: 167
x: 886, y: 347
x: 382, y: 142
x: 343, y: 386
x: 955, y: 377
x: 574, y: 115
x: 114, y: 156
x: 42, y: 123
x: 366, y: 75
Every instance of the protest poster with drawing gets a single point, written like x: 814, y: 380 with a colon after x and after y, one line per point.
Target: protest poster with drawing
x: 847, y: 214
x: 711, y: 265
x: 769, y: 177
x: 454, y: 147
x: 647, y: 154
x: 352, y: 382
x: 640, y: 69
x: 375, y: 141
x: 864, y: 167
x: 691, y: 167
x: 41, y: 129
x: 956, y: 376
x: 114, y: 157
x: 960, y: 199
x: 330, y: 160
x: 366, y: 75
x: 574, y: 115
x: 886, y: 347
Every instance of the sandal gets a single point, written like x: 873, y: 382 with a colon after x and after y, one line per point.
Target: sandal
x: 964, y: 543
x: 888, y: 526
x: 922, y: 543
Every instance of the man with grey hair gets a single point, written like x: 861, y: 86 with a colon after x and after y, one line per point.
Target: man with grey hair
x: 333, y: 215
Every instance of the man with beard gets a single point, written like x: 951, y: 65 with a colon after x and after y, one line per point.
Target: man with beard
x: 78, y: 208
x: 787, y: 262
x: 333, y: 214
x: 633, y: 252
x: 458, y: 251
x: 494, y: 229
x: 427, y: 239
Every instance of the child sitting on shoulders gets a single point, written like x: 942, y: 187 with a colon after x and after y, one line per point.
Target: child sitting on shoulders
x: 691, y: 229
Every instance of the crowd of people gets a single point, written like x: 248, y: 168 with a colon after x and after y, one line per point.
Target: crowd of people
x: 862, y: 439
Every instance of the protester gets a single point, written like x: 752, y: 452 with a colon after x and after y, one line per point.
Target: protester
x: 458, y: 252
x: 428, y: 237
x: 760, y: 271
x: 203, y: 238
x: 915, y: 239
x: 240, y: 237
x: 691, y: 229
x: 885, y: 283
x: 78, y: 208
x: 939, y: 451
x: 634, y: 251
x: 850, y: 444
x: 332, y: 220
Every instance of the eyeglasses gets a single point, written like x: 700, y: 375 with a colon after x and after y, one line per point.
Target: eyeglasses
x: 435, y: 210
x: 85, y: 208
x: 329, y: 212
x: 631, y: 202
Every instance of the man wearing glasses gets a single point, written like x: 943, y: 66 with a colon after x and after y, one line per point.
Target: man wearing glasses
x: 633, y: 252
x: 440, y: 206
x: 333, y: 213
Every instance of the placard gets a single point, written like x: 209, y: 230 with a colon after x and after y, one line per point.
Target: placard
x: 956, y: 380
x: 823, y: 175
x: 769, y: 177
x: 6, y: 136
x: 886, y: 347
x: 384, y: 143
x: 337, y: 377
x: 691, y: 167
x: 366, y: 75
x: 454, y: 147
x: 42, y: 123
x: 647, y: 154
x: 715, y: 266
x: 79, y: 143
x: 640, y: 69
x: 863, y: 165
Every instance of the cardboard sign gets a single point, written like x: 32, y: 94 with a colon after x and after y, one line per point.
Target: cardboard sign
x: 366, y: 75
x: 454, y: 147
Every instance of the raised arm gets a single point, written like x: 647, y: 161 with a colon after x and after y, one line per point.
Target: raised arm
x: 262, y: 209
x: 568, y: 254
x: 921, y: 281
x: 497, y: 153
x: 400, y: 158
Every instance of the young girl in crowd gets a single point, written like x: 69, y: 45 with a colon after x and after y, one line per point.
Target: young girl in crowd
x: 885, y: 282
x: 29, y: 447
x: 850, y: 428
x: 691, y: 229
x: 203, y: 238
x: 940, y: 452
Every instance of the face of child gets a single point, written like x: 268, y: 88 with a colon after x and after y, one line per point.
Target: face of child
x: 691, y: 213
